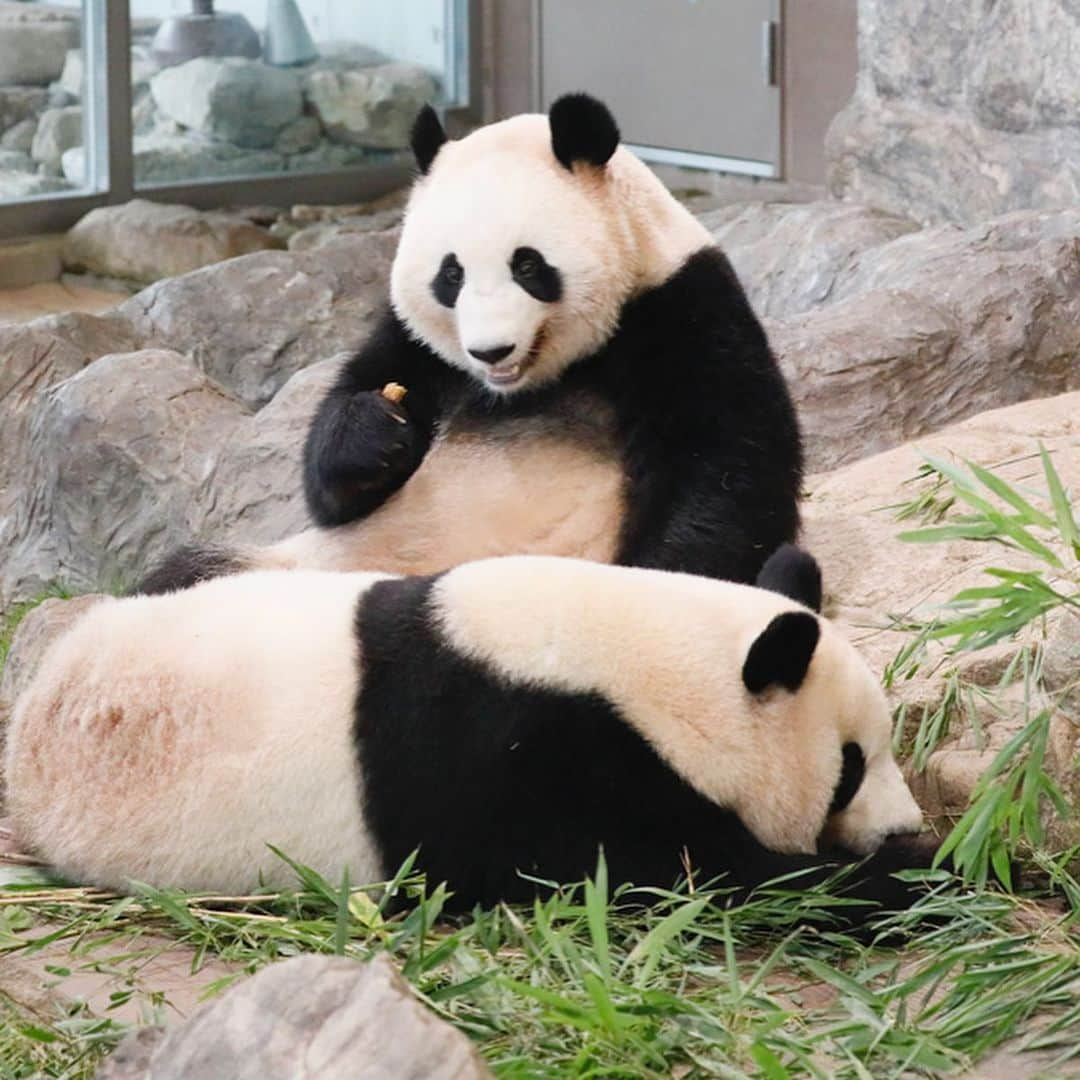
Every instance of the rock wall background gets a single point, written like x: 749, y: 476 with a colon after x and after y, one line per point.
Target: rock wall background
x: 207, y: 117
x: 964, y: 109
x: 179, y: 415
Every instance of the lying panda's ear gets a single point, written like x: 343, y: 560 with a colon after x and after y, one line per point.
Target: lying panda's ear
x: 781, y: 653
x: 792, y: 572
x: 427, y: 137
x: 582, y: 129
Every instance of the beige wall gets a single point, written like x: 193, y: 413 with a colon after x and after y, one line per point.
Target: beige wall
x: 819, y: 64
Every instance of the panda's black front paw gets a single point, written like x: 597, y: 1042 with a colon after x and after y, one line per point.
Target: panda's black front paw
x: 365, y: 449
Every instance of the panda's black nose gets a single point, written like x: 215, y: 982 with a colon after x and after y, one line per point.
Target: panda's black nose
x: 492, y: 356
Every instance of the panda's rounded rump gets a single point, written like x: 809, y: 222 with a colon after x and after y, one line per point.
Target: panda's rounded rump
x: 222, y: 712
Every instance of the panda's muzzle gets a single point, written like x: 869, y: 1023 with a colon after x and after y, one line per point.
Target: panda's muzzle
x: 492, y: 355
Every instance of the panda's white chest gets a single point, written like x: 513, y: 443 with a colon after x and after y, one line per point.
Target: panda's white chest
x: 543, y: 485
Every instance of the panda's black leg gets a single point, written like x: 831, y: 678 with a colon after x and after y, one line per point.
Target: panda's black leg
x: 188, y: 566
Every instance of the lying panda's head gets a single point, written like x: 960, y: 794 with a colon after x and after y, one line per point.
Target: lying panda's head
x: 754, y: 700
x: 522, y: 241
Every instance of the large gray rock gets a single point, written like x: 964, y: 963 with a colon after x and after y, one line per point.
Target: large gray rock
x: 245, y: 327
x: 162, y: 157
x: 243, y: 102
x: 18, y: 103
x: 311, y: 1016
x: 17, y: 161
x: 95, y: 442
x: 935, y: 326
x: 962, y: 110
x: 789, y: 255
x: 145, y: 241
x: 253, y: 322
x: 373, y: 106
x: 16, y: 184
x: 20, y: 136
x: 57, y: 132
x: 34, y: 40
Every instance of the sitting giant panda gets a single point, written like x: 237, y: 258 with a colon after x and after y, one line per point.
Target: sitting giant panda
x: 349, y: 719
x: 583, y: 376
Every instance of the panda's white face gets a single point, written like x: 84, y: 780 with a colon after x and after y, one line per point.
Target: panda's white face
x: 512, y: 266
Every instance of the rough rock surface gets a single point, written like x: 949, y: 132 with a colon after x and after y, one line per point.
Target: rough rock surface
x: 374, y: 106
x: 789, y: 255
x: 57, y: 132
x: 962, y: 110
x: 18, y: 103
x: 240, y: 101
x: 244, y: 328
x: 870, y: 576
x: 160, y: 157
x: 34, y: 40
x: 146, y: 241
x: 316, y: 1016
x: 935, y: 326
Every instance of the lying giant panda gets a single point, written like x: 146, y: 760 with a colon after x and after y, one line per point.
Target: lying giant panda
x: 349, y: 719
x: 583, y: 376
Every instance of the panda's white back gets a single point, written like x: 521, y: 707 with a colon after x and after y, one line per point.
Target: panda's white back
x: 200, y: 726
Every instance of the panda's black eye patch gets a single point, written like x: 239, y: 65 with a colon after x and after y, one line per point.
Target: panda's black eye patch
x: 851, y: 777
x: 447, y: 283
x: 536, y: 275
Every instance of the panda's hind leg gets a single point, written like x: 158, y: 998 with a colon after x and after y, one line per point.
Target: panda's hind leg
x: 188, y: 566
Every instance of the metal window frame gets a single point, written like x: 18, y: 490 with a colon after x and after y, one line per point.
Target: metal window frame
x: 107, y: 136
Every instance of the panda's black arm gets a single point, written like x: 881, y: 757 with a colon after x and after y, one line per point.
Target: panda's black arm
x: 362, y: 447
x: 713, y: 456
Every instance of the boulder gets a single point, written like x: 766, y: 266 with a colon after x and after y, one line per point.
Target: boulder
x: 15, y: 184
x: 253, y: 322
x: 318, y: 1016
x: 20, y: 136
x: 789, y: 255
x: 961, y: 111
x: 17, y: 161
x: 143, y: 66
x: 160, y: 426
x: 18, y: 103
x: 934, y: 326
x: 145, y: 241
x: 108, y: 490
x: 871, y: 577
x: 371, y: 107
x: 162, y: 157
x: 34, y: 41
x: 303, y: 134
x: 57, y: 132
x: 240, y: 101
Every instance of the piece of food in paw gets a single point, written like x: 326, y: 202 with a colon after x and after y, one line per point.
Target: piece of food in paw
x: 394, y: 392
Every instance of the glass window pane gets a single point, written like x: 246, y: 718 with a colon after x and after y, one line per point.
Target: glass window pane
x: 272, y: 87
x: 44, y: 104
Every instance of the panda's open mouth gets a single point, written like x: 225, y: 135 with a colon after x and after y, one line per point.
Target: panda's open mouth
x: 508, y: 372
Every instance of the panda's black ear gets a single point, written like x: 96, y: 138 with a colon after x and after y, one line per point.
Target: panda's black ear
x: 792, y: 572
x: 582, y: 129
x: 781, y: 653
x: 427, y: 137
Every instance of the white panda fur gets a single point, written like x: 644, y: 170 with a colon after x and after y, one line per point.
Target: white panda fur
x: 649, y: 424
x: 347, y: 719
